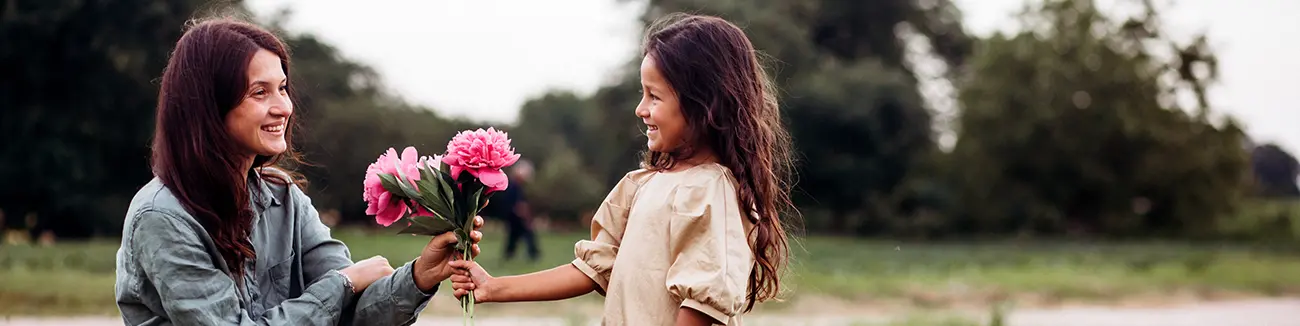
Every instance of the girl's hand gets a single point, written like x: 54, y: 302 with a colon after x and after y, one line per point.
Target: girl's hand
x: 365, y: 272
x: 468, y: 276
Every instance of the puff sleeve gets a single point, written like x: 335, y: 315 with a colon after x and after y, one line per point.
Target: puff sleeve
x: 595, y: 257
x: 710, y: 250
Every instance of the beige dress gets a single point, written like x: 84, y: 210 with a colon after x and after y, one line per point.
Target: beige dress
x: 664, y: 240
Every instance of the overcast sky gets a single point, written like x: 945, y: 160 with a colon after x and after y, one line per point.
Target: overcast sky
x: 483, y: 58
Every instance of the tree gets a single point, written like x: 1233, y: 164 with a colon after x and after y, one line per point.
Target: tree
x: 1066, y: 127
x: 849, y: 95
x: 78, y: 98
x: 1275, y: 171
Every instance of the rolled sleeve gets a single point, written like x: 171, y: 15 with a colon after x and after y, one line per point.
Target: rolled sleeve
x: 711, y: 254
x: 595, y: 257
x: 392, y: 300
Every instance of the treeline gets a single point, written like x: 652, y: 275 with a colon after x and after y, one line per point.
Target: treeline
x: 1071, y: 127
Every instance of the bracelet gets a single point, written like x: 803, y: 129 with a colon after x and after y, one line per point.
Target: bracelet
x: 347, y: 282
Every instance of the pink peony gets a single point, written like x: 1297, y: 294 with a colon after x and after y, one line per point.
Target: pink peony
x: 385, y: 206
x: 482, y: 153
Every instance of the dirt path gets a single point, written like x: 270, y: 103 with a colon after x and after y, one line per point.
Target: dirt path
x: 1270, y: 312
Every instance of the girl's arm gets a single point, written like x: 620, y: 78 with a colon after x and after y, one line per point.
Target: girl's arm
x: 692, y: 317
x: 559, y: 283
x: 589, y: 271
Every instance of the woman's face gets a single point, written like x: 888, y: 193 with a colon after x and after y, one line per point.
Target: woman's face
x: 258, y: 123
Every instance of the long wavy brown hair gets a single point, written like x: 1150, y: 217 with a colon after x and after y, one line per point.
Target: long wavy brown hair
x: 730, y: 106
x: 193, y: 154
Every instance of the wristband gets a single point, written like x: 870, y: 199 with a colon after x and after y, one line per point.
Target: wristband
x: 347, y: 282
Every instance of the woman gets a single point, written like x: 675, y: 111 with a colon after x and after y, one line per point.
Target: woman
x: 221, y: 236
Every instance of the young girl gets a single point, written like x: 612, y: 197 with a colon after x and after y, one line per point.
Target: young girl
x: 693, y: 238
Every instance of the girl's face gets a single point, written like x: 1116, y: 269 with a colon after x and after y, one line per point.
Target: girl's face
x: 259, y: 122
x: 660, y: 110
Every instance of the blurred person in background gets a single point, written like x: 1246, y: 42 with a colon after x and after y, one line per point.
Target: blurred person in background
x: 222, y: 235
x: 511, y: 206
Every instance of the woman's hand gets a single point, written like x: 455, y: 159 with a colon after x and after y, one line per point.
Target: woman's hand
x: 470, y: 276
x: 366, y: 272
x: 431, y: 268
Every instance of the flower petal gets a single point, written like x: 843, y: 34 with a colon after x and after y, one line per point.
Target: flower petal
x: 493, y: 179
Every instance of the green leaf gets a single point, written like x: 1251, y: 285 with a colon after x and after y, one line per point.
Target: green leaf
x: 435, y: 185
x: 462, y: 238
x: 391, y: 184
x: 406, y: 188
x: 483, y: 197
x: 436, y: 204
x: 427, y: 225
x: 432, y: 197
x: 447, y: 189
x: 477, y: 198
x: 426, y: 175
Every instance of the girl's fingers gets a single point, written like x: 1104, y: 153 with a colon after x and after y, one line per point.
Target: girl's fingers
x: 456, y: 279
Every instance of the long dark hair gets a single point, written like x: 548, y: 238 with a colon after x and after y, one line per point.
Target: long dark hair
x: 730, y: 106
x: 193, y: 154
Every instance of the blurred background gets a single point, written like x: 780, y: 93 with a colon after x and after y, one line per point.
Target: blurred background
x: 961, y: 162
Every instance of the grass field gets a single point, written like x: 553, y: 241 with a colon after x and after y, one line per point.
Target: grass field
x: 828, y: 274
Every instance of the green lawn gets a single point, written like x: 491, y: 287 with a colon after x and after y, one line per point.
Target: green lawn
x: 77, y: 278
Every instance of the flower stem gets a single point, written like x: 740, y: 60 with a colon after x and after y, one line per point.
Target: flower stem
x: 467, y: 302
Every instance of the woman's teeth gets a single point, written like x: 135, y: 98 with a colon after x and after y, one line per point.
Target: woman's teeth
x: 275, y: 128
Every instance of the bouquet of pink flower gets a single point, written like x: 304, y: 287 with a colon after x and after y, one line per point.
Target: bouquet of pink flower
x: 442, y: 193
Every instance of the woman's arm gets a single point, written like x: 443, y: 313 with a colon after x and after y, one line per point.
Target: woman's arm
x: 194, y: 291
x: 391, y: 300
x: 558, y: 283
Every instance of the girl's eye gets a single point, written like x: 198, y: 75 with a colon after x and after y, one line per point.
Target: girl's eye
x: 259, y: 92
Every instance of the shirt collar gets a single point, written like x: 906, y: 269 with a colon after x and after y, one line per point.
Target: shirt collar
x: 259, y: 190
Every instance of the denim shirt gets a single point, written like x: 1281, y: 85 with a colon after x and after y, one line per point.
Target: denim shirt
x: 170, y: 272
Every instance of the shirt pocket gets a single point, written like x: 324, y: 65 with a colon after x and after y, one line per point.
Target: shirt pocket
x: 281, y: 280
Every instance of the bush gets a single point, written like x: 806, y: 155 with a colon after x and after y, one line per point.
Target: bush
x: 1264, y: 220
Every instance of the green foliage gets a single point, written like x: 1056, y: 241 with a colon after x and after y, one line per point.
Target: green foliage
x: 1069, y: 126
x: 77, y: 278
x: 1264, y: 219
x: 78, y: 97
x: 565, y: 188
x: 1275, y: 170
x: 1063, y: 128
x: 850, y: 100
